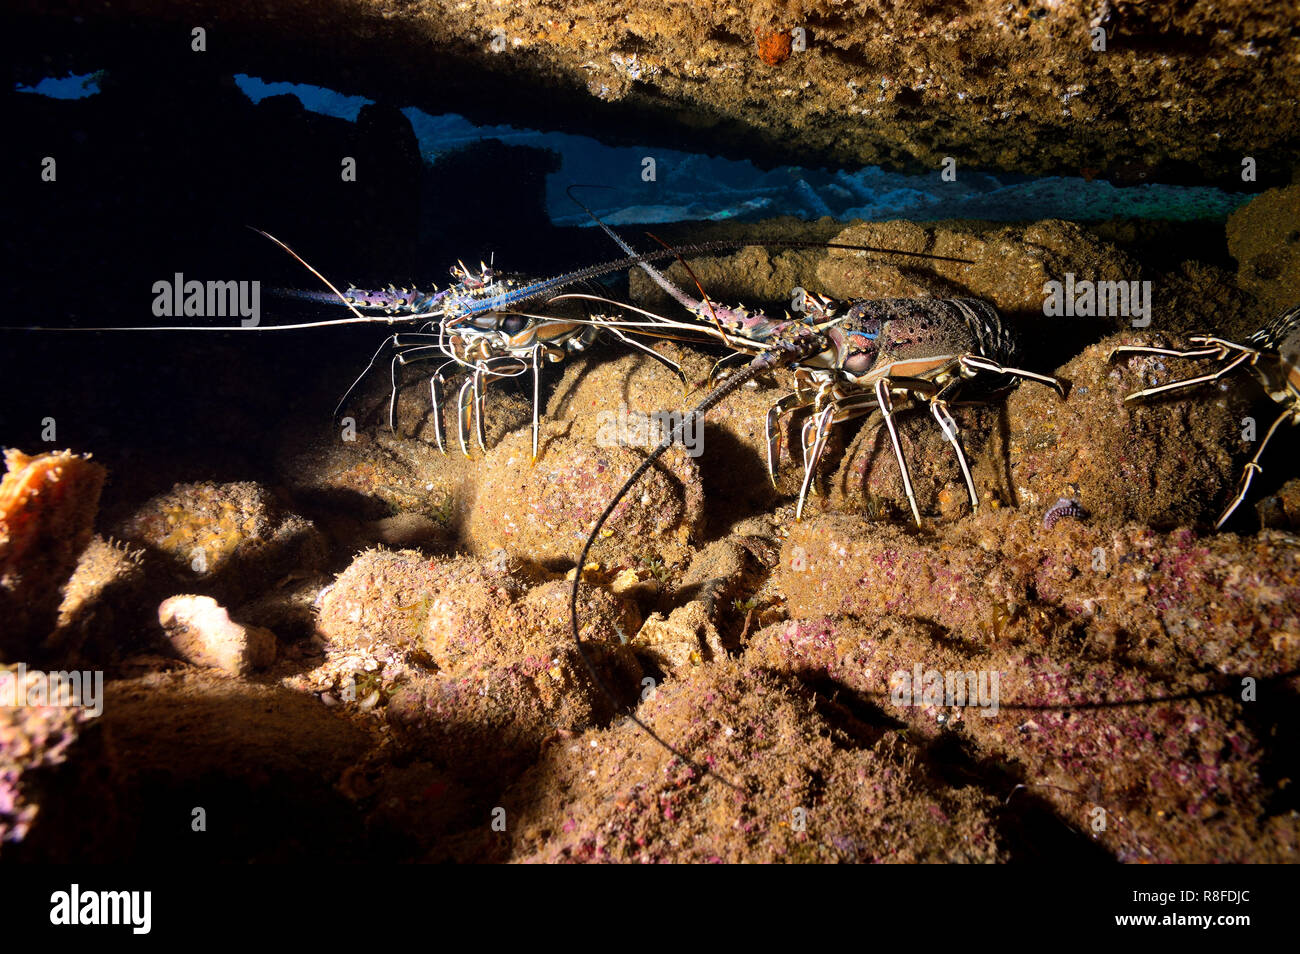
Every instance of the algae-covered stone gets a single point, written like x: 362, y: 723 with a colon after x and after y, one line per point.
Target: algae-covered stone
x: 236, y: 538
x: 1264, y: 239
x: 1005, y: 265
x: 629, y: 399
x: 1154, y: 771
x: 52, y: 755
x: 105, y: 608
x: 462, y: 615
x: 543, y: 511
x: 799, y: 791
x: 489, y: 723
x: 1223, y: 603
x: 1165, y: 461
x: 869, y: 481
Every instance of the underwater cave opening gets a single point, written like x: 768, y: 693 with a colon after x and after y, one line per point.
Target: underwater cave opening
x: 653, y: 185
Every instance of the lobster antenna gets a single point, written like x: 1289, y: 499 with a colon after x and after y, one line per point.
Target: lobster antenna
x: 708, y: 246
x: 591, y: 271
x: 704, y: 296
x: 808, y: 345
x: 358, y: 317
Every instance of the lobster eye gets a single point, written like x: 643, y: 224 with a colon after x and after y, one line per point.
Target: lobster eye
x: 859, y: 362
x: 513, y: 324
x: 861, y: 353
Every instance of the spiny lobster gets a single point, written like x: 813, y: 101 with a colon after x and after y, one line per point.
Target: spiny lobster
x: 1273, y: 356
x: 479, y: 323
x: 871, y: 352
x: 476, y: 324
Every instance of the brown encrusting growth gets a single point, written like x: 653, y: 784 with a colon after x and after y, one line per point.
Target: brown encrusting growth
x: 1158, y: 772
x: 542, y: 510
x: 1179, y: 89
x: 805, y: 790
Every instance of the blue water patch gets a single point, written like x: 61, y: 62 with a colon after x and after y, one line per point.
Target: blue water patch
x: 315, y: 99
x: 72, y: 86
x: 691, y: 186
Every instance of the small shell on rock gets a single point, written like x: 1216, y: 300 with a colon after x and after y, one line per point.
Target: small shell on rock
x: 202, y: 632
x: 1066, y: 507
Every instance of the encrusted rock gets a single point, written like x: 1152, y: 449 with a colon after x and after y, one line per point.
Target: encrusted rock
x: 1155, y: 772
x: 51, y: 754
x: 544, y: 511
x: 1167, y: 461
x: 1264, y: 239
x: 800, y: 794
x: 47, y: 509
x: 234, y: 538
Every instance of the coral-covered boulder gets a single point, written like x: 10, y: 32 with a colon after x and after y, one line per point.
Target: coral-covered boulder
x: 47, y: 512
x: 1155, y: 771
x: 1167, y: 461
x: 234, y: 539
x: 543, y: 511
x: 787, y: 787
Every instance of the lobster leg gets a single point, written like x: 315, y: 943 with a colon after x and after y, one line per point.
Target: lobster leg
x: 668, y: 363
x: 1245, y: 355
x: 469, y: 402
x: 392, y: 393
x: 821, y: 424
x: 887, y: 412
x: 436, y: 381
x: 939, y: 408
x: 1167, y: 352
x: 480, y: 431
x: 403, y: 358
x: 845, y: 409
x: 537, y: 394
x: 1252, y: 466
x: 773, y: 433
x: 971, y: 364
x: 465, y: 411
